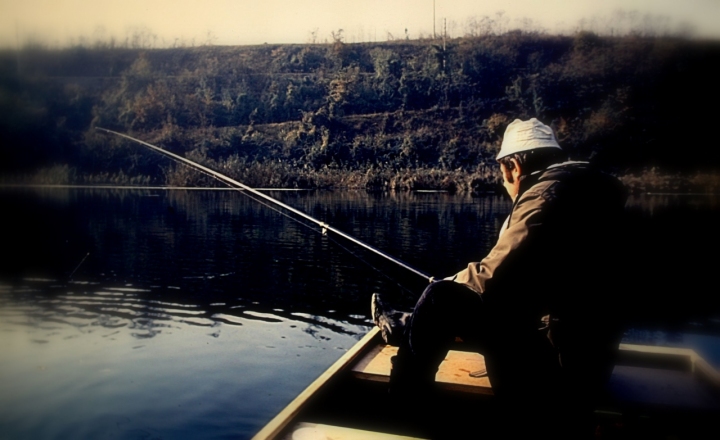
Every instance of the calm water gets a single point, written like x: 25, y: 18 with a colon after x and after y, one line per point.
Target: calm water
x: 150, y: 314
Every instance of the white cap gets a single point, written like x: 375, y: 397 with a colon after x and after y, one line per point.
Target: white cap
x: 526, y: 135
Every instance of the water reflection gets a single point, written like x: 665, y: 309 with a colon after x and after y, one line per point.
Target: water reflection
x: 83, y: 306
x: 78, y: 358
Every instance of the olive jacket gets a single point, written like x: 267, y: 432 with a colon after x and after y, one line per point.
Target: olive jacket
x: 557, y: 261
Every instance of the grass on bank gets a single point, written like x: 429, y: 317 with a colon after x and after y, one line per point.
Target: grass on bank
x: 285, y: 175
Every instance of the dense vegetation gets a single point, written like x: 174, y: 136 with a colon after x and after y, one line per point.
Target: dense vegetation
x: 407, y: 114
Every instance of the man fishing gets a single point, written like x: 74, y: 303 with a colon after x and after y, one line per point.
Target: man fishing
x: 541, y: 306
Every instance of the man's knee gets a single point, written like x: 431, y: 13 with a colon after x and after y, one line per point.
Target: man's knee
x: 448, y: 294
x: 447, y: 310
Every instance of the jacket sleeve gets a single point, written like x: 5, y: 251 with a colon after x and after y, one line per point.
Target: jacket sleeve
x: 508, y: 258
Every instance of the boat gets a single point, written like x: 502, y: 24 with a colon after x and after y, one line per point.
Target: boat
x: 654, y: 392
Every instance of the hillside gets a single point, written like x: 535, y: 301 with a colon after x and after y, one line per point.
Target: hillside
x: 415, y: 114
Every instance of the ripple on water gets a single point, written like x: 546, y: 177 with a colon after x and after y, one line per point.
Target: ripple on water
x: 266, y: 317
x: 227, y: 319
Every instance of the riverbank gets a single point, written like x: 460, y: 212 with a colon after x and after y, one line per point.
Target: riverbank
x: 655, y: 181
x: 286, y: 176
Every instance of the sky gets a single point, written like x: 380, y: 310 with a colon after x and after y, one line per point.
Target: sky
x: 241, y: 22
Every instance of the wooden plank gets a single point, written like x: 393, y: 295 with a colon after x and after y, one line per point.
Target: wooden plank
x: 688, y: 358
x: 706, y: 372
x: 316, y: 431
x: 454, y: 372
x: 283, y: 419
x: 677, y: 358
x: 657, y: 349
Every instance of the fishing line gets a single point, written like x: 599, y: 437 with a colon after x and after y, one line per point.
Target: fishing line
x: 78, y: 266
x: 325, y: 228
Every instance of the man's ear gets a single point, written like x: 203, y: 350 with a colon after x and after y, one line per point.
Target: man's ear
x: 516, y: 170
x: 507, y: 174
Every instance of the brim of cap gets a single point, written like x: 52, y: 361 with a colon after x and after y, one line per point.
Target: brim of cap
x: 534, y: 146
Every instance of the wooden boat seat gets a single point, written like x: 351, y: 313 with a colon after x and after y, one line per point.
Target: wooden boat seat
x: 454, y: 372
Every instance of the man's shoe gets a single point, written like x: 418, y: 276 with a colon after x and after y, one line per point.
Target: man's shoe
x: 390, y: 321
x: 378, y: 317
x: 377, y: 306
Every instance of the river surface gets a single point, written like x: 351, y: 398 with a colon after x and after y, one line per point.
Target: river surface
x: 180, y: 314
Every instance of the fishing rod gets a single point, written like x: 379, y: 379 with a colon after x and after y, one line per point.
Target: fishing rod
x: 325, y: 228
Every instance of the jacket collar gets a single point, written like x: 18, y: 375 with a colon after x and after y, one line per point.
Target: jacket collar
x: 529, y: 180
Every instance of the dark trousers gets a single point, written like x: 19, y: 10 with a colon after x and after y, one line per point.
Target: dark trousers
x: 446, y: 310
x: 523, y: 366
